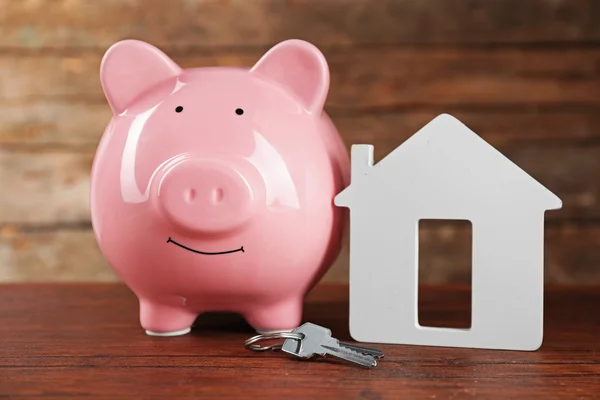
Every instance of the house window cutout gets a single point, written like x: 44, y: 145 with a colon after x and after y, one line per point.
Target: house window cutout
x: 446, y: 171
x: 444, y: 255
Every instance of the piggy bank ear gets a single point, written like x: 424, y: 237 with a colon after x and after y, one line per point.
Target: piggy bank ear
x: 300, y: 68
x: 131, y: 67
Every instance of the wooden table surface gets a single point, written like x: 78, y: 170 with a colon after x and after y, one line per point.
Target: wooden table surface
x: 62, y: 341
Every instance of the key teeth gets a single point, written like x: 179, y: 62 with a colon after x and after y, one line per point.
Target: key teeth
x: 372, y: 360
x: 375, y: 353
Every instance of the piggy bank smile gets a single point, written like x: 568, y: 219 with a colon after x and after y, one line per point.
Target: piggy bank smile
x: 170, y: 240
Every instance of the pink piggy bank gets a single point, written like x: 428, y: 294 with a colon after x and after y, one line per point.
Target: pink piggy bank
x: 212, y: 188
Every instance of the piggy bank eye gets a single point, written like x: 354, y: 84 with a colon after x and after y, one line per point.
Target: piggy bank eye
x: 239, y: 111
x: 178, y: 109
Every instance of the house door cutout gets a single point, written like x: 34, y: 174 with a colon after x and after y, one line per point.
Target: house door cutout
x: 445, y: 254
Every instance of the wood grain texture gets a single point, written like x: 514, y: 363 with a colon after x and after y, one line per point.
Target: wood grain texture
x: 522, y: 74
x: 201, y: 23
x: 55, y: 255
x: 84, y: 341
x: 70, y: 253
x: 44, y: 187
x: 360, y: 78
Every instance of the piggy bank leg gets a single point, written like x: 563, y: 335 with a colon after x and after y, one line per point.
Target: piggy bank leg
x: 279, y: 317
x: 163, y: 320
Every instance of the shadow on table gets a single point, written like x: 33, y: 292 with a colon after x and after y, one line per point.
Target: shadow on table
x: 331, y: 315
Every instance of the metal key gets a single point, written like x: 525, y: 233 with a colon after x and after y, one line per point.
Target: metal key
x: 363, y: 350
x: 318, y: 341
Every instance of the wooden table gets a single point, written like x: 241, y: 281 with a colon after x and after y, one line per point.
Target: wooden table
x: 83, y: 340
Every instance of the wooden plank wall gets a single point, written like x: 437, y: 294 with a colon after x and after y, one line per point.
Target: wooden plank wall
x: 525, y: 75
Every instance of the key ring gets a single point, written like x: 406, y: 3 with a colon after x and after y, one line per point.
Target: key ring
x: 249, y: 344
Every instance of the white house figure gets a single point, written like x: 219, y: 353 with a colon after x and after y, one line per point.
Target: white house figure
x: 445, y: 171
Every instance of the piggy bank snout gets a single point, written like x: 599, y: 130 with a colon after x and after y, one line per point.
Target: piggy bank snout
x: 206, y: 196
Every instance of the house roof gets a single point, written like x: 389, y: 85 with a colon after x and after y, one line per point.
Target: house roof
x: 447, y: 149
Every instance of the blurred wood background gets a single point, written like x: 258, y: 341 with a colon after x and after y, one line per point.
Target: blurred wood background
x: 524, y: 74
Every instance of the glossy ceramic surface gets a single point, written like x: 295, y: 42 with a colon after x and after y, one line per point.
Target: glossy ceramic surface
x: 212, y: 188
